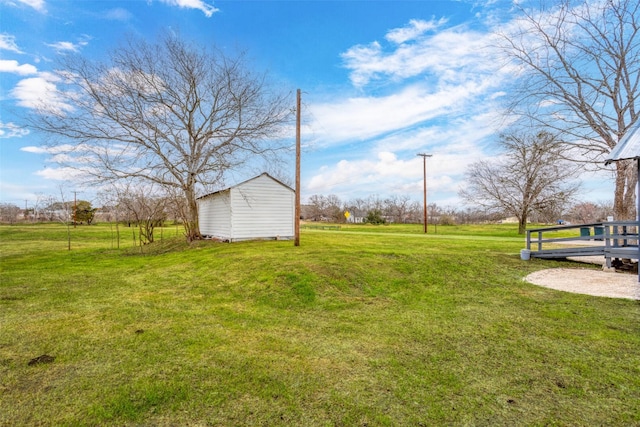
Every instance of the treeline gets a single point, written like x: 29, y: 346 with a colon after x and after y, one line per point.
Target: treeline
x: 402, y: 209
x: 137, y: 208
x: 49, y: 210
x: 147, y: 212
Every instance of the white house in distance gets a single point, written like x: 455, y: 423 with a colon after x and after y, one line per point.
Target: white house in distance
x: 259, y: 208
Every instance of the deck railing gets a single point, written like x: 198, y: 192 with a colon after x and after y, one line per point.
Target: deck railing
x: 611, y: 239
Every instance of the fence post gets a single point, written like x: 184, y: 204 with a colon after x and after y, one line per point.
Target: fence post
x: 539, y: 240
x: 607, y: 244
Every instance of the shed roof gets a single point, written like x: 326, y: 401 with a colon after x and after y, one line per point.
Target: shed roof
x: 244, y: 182
x: 628, y: 147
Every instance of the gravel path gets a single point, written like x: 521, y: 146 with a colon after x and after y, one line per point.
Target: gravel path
x: 589, y: 282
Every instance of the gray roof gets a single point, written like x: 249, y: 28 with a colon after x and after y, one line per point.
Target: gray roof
x: 628, y: 147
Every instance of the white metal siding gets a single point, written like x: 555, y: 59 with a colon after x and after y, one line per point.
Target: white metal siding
x: 214, y: 215
x: 262, y: 208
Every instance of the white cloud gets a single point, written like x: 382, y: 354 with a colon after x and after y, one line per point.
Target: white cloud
x: 11, y: 130
x: 62, y: 174
x: 456, y: 133
x: 416, y: 28
x: 118, y: 14
x: 386, y: 174
x: 63, y: 46
x: 201, y: 5
x: 66, y: 46
x: 38, y: 5
x: 364, y: 118
x: 32, y: 149
x: 40, y: 92
x: 390, y: 165
x: 77, y: 154
x: 441, y: 90
x: 8, y: 42
x: 386, y: 165
x: 11, y: 66
x: 449, y: 55
x: 72, y: 164
x: 64, y: 148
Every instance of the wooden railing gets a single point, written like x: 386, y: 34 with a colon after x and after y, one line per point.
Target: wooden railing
x: 320, y: 227
x: 612, y: 239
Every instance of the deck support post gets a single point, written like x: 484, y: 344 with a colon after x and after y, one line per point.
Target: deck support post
x: 638, y: 212
x: 539, y: 240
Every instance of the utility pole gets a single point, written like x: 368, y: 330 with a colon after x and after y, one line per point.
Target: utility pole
x: 297, y: 209
x: 424, y: 167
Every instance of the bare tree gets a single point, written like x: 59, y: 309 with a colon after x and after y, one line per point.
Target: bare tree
x: 416, y: 212
x: 60, y: 210
x: 318, y: 206
x: 530, y: 177
x: 397, y: 208
x: 447, y: 215
x: 168, y: 113
x: 144, y: 208
x: 581, y: 77
x: 9, y: 212
x: 38, y: 206
x: 335, y: 211
x: 590, y: 212
x: 111, y: 212
x: 326, y: 208
x: 584, y: 212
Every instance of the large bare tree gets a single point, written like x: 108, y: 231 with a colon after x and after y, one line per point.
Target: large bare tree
x: 169, y: 113
x: 530, y: 176
x: 580, y: 76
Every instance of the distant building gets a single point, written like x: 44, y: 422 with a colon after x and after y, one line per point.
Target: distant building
x: 355, y: 219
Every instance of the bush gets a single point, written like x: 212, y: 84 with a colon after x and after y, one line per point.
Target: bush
x: 375, y: 217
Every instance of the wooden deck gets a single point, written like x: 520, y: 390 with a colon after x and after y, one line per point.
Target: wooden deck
x: 613, y: 240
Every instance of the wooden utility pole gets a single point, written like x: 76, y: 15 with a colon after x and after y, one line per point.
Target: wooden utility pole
x: 424, y: 167
x: 297, y: 210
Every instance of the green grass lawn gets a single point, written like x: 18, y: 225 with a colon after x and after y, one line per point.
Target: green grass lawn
x: 363, y: 326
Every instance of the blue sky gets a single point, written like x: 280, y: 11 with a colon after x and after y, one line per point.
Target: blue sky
x: 381, y: 82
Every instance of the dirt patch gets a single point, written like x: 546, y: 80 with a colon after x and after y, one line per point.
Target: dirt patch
x: 45, y: 358
x: 588, y: 282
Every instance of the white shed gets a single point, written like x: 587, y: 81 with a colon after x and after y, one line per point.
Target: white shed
x: 259, y: 208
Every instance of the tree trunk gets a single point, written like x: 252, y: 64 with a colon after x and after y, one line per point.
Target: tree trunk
x: 630, y: 191
x: 625, y: 191
x: 522, y: 224
x: 190, y: 219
